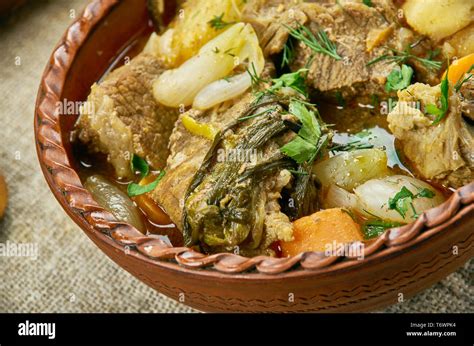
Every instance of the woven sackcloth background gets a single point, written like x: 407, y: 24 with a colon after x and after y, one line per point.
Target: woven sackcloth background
x: 70, y: 274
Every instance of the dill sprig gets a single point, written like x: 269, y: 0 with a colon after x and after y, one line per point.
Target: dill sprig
x: 288, y: 53
x: 440, y: 112
x: 462, y: 80
x: 401, y: 57
x: 354, y: 145
x: 218, y: 22
x: 319, y: 43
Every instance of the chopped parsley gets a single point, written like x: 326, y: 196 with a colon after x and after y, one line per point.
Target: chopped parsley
x: 309, y: 141
x: 432, y: 109
x: 399, y: 78
x: 218, y: 22
x: 368, y: 3
x: 140, y: 165
x: 295, y: 80
x: 134, y: 189
x: 403, y: 200
x: 374, y: 228
x: 426, y: 193
x: 319, y: 43
x: 137, y: 164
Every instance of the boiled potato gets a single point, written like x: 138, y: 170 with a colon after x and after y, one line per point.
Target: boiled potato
x: 462, y: 42
x: 319, y: 231
x: 350, y: 169
x: 438, y: 18
x: 3, y: 196
x: 191, y: 28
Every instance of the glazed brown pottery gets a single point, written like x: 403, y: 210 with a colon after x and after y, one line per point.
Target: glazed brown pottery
x: 403, y: 261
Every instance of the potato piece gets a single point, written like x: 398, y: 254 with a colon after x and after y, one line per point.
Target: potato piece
x: 462, y: 42
x: 352, y: 168
x: 319, y: 231
x: 192, y: 29
x: 438, y: 18
x: 3, y: 196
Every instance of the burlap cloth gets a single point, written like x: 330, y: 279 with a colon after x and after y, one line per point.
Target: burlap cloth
x: 70, y: 273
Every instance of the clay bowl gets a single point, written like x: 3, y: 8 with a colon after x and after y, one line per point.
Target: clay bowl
x: 398, y: 264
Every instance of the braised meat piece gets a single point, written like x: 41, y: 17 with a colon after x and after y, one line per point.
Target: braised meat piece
x: 121, y: 116
x: 443, y: 151
x: 360, y: 34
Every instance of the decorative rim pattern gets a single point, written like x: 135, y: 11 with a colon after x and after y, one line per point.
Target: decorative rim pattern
x: 65, y: 184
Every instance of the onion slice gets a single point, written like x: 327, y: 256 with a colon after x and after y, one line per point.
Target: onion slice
x: 201, y: 82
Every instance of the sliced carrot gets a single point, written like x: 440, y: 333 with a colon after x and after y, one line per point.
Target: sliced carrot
x: 320, y: 230
x: 459, y: 67
x: 151, y: 209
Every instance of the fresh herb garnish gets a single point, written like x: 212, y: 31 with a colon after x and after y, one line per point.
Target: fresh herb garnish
x: 425, y: 193
x: 309, y: 141
x: 255, y: 78
x: 354, y: 145
x: 432, y: 109
x: 368, y: 3
x: 319, y: 43
x: 462, y: 80
x: 137, y: 164
x: 400, y: 57
x: 401, y: 201
x: 295, y: 80
x: 399, y: 78
x: 218, y: 23
x: 288, y: 53
x: 374, y: 228
x: 134, y: 189
x: 433, y: 53
x: 404, y: 199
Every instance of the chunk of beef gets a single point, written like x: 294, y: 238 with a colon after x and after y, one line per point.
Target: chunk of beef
x: 269, y: 17
x: 359, y: 32
x: 467, y: 99
x: 121, y: 116
x: 442, y: 152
